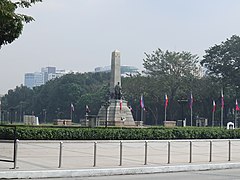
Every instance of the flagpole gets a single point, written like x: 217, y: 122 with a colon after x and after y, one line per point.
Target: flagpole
x: 235, y: 120
x: 165, y: 107
x: 142, y: 107
x: 236, y: 126
x: 222, y: 104
x: 213, y: 119
x: 236, y: 115
x: 221, y: 117
x: 191, y: 106
x: 142, y: 114
x: 165, y: 117
x: 191, y: 116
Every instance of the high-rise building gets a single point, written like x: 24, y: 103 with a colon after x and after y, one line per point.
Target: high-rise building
x: 29, y: 80
x: 39, y: 78
x: 47, y: 71
x: 33, y: 79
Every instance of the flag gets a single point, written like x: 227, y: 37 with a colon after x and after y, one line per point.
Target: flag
x: 72, y: 107
x: 214, y: 106
x: 120, y: 104
x: 237, y: 107
x: 165, y: 101
x: 191, y: 101
x: 130, y: 107
x: 87, y: 109
x: 142, y: 102
x: 222, y: 99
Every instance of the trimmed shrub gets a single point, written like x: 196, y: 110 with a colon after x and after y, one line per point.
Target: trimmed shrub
x: 115, y: 133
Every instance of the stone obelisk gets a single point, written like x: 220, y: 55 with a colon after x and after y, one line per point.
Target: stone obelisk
x: 116, y: 113
x: 115, y: 71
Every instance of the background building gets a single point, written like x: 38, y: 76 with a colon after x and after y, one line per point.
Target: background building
x: 48, y: 73
x: 29, y: 80
x: 39, y: 78
x: 125, y: 70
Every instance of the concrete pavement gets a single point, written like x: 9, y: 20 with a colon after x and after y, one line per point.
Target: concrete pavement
x: 45, y: 159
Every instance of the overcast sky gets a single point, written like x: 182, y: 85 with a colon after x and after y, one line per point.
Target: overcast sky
x: 81, y: 34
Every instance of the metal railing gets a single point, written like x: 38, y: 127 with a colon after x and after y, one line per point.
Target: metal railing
x: 120, y: 153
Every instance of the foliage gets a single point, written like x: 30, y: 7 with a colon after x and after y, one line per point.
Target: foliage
x: 56, y: 96
x: 223, y: 61
x: 11, y: 23
x: 172, y: 73
x: 154, y: 133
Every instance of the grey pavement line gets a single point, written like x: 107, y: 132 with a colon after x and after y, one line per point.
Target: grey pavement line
x: 13, y: 174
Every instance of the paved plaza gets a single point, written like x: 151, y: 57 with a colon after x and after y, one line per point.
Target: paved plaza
x: 80, y: 155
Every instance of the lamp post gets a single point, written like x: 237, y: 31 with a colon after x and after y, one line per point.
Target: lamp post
x: 11, y: 115
x: 182, y: 102
x: 21, y: 112
x: 0, y: 110
x: 236, y: 112
x: 15, y: 119
x: 45, y: 115
x: 58, y: 113
x: 106, y: 105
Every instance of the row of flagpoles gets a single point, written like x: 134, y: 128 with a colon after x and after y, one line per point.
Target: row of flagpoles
x: 72, y: 110
x: 166, y: 105
x: 191, y: 108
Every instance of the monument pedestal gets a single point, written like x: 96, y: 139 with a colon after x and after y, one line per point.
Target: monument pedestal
x: 115, y: 115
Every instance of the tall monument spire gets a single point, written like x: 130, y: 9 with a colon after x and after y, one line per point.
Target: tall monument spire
x: 115, y: 112
x: 115, y: 70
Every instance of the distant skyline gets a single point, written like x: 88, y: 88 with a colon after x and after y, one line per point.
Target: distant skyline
x: 80, y: 35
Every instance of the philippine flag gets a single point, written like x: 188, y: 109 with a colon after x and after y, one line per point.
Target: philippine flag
x: 237, y: 107
x: 130, y: 107
x: 72, y: 107
x: 142, y: 102
x: 191, y: 101
x: 165, y: 101
x: 214, y: 106
x: 87, y: 109
x: 222, y: 99
x: 120, y: 104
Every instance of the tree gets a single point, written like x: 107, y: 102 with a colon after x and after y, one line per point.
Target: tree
x: 223, y: 61
x: 171, y: 71
x: 79, y: 89
x: 11, y: 23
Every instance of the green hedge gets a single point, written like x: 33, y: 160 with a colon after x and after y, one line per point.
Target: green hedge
x: 150, y: 133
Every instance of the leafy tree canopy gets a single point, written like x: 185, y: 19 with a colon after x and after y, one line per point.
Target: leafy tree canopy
x: 11, y: 23
x: 172, y: 73
x: 171, y: 68
x: 223, y: 61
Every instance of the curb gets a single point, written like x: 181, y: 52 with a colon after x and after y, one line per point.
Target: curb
x: 112, y: 171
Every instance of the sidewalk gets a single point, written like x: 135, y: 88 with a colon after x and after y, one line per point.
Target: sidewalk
x: 25, y: 174
x: 42, y: 159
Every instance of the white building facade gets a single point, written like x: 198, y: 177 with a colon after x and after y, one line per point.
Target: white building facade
x: 39, y: 78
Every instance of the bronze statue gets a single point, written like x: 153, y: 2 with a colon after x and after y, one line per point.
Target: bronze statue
x: 118, y: 91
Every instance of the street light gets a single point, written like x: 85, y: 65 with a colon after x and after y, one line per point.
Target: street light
x: 0, y: 110
x: 106, y: 105
x: 182, y: 102
x: 21, y: 112
x: 45, y: 115
x: 58, y: 113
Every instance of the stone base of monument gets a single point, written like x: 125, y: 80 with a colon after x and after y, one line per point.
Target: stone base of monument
x: 181, y: 123
x: 201, y: 122
x: 62, y: 122
x: 116, y: 116
x: 169, y: 123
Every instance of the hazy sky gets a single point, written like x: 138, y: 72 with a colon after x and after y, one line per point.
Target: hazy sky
x: 81, y: 34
